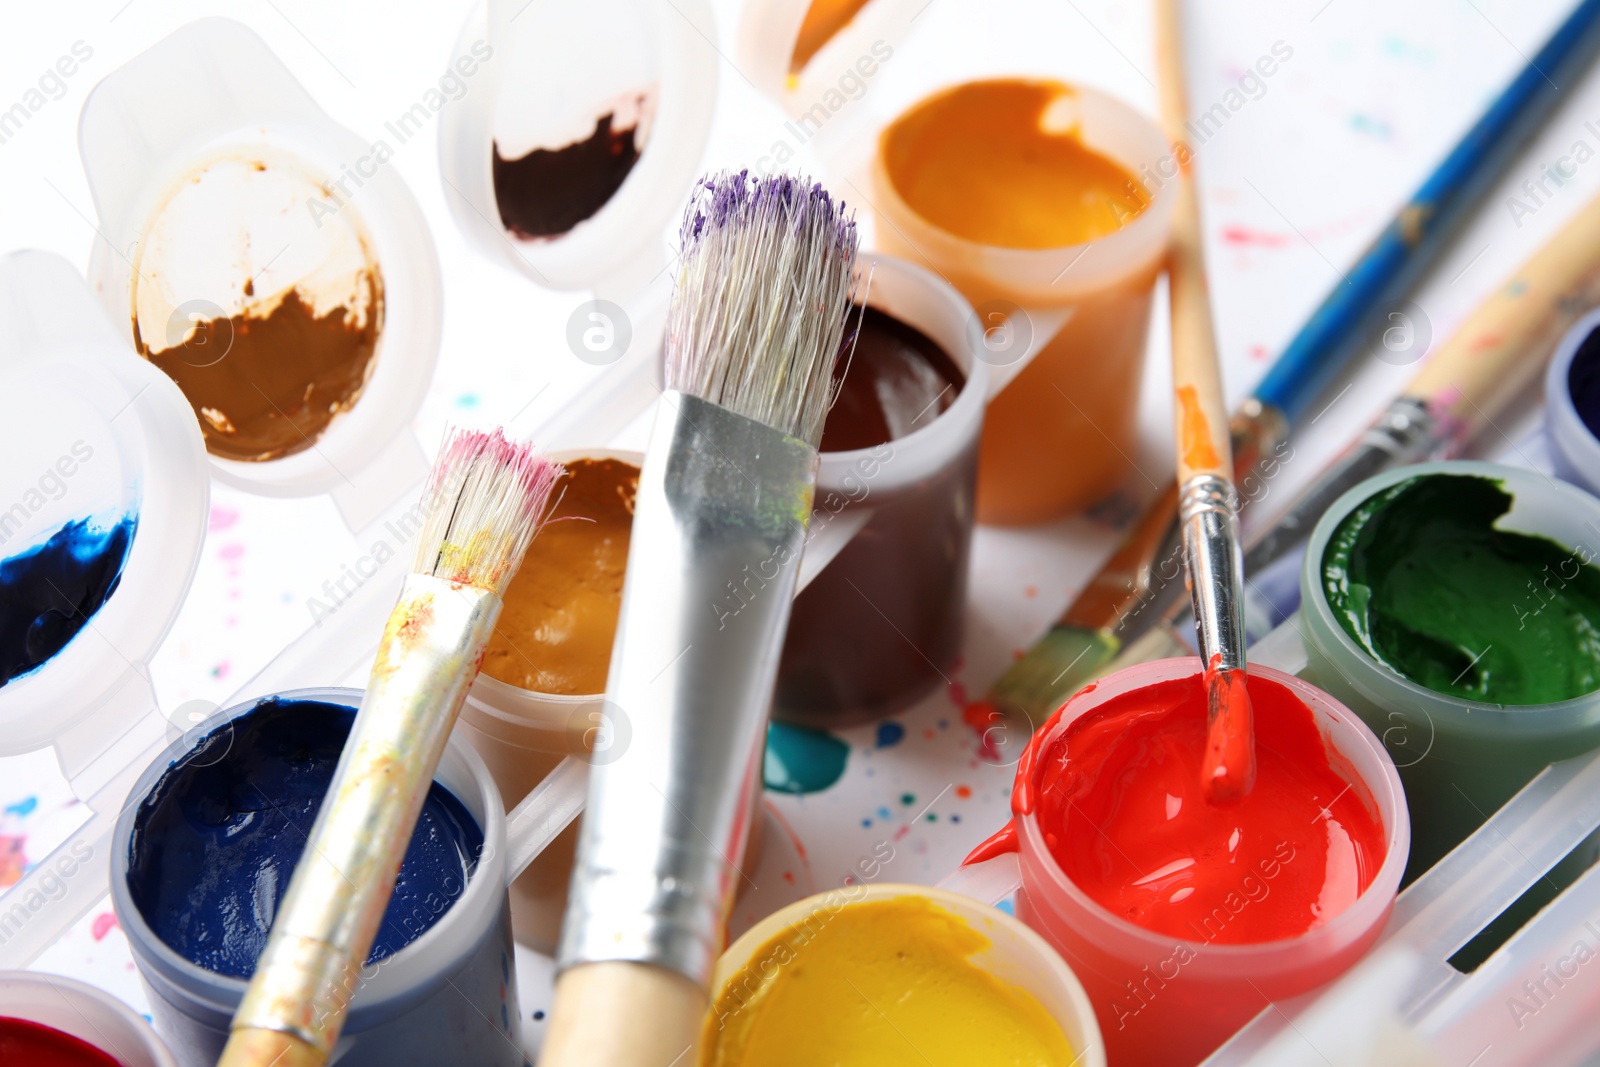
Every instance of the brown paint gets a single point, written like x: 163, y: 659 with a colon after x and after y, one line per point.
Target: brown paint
x: 547, y: 192
x: 267, y: 382
x: 560, y: 616
x: 987, y: 162
x: 882, y: 623
x: 893, y: 381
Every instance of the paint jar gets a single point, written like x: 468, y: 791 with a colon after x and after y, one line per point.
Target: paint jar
x: 881, y: 624
x: 578, y: 134
x: 1014, y: 954
x: 1571, y: 380
x: 449, y: 996
x: 1460, y: 759
x: 84, y: 1012
x: 233, y: 212
x: 521, y: 735
x: 1067, y: 326
x: 1164, y: 1000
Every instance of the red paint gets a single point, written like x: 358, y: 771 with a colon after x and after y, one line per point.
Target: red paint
x: 1119, y: 800
x: 1228, y: 768
x: 27, y: 1042
x: 1243, y: 235
x: 104, y: 923
x: 963, y: 791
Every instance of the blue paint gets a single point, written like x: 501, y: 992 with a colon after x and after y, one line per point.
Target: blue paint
x: 802, y: 761
x: 1583, y: 380
x: 50, y: 591
x: 890, y: 733
x: 1008, y: 907
x: 23, y: 808
x: 1411, y: 243
x: 215, y: 843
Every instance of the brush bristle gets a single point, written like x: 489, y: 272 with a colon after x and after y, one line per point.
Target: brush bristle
x: 485, y: 501
x: 763, y: 289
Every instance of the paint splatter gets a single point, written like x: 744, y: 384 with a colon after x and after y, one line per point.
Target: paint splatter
x: 467, y: 400
x: 221, y: 518
x: 104, y: 923
x: 24, y: 808
x: 231, y: 550
x: 983, y: 717
x: 1368, y: 124
x: 1030, y: 591
x: 802, y: 761
x: 13, y: 861
x: 963, y: 791
x: 1244, y: 236
x: 890, y: 734
x: 883, y: 813
x: 908, y: 799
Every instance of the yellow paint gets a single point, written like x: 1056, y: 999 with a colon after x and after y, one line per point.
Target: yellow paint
x: 885, y: 983
x: 1001, y: 163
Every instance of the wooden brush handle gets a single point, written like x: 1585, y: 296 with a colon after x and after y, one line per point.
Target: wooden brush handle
x: 268, y: 1048
x: 1201, y: 420
x: 1504, y: 344
x: 623, y: 1015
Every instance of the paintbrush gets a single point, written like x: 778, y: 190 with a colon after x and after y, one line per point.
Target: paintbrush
x: 725, y: 492
x: 1489, y: 360
x: 1206, y: 499
x: 485, y: 500
x: 1138, y: 584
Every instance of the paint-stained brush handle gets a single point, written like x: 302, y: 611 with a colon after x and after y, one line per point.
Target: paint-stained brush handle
x: 1202, y: 415
x: 1207, y: 502
x: 1504, y: 345
x: 271, y: 1047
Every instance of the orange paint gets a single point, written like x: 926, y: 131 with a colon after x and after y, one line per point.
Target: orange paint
x: 1001, y: 163
x: 824, y: 19
x: 1000, y: 187
x: 555, y: 632
x: 1195, y: 432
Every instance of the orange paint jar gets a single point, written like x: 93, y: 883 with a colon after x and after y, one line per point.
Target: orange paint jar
x: 1049, y: 207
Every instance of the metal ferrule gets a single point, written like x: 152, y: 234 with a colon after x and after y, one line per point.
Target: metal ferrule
x: 1216, y: 569
x: 1406, y: 433
x: 330, y: 915
x: 717, y: 534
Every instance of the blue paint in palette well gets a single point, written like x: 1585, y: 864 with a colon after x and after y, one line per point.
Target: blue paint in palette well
x: 49, y: 592
x: 216, y: 841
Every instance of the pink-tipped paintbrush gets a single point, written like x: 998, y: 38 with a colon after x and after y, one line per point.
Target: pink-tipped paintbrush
x: 484, y: 503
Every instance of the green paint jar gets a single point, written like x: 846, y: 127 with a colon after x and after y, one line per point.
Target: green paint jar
x: 1459, y: 758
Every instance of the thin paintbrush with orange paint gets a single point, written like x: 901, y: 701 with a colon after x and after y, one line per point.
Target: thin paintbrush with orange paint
x: 1206, y: 497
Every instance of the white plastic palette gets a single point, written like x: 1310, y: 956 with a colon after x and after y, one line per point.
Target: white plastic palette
x: 167, y: 142
x: 72, y: 389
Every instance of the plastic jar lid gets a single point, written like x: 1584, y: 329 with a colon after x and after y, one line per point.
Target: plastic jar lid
x: 211, y: 93
x: 549, y: 72
x: 91, y: 431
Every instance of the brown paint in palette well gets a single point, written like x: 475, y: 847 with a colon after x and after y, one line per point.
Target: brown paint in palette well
x: 266, y: 382
x: 548, y: 191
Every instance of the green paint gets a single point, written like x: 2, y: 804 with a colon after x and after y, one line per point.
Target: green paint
x: 1419, y: 577
x: 802, y: 761
x: 908, y: 798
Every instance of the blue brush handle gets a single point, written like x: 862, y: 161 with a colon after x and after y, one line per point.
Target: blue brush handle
x: 1412, y: 241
